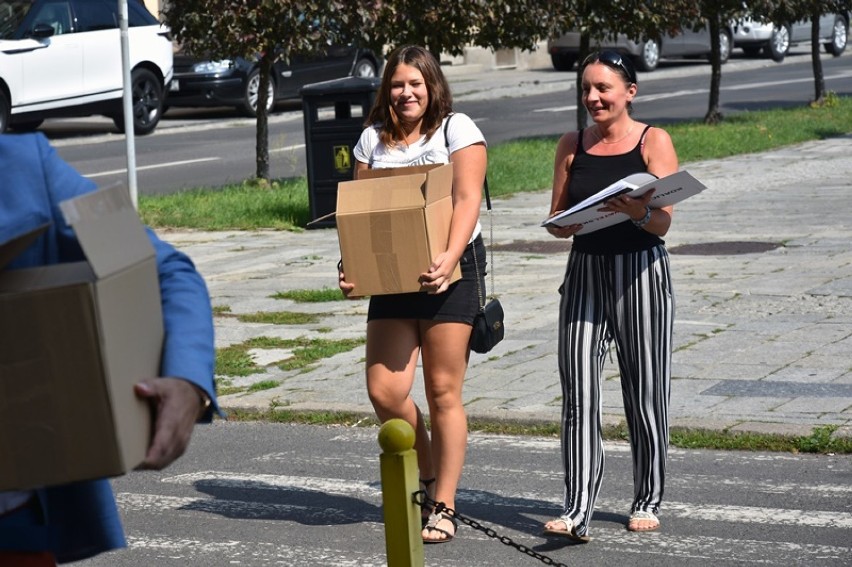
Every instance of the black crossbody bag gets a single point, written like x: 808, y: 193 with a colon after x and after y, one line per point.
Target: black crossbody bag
x: 488, y: 327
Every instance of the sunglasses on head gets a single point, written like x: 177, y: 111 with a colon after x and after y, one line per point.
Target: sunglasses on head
x: 614, y: 60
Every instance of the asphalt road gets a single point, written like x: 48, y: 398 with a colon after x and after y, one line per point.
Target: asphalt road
x: 253, y: 494
x: 257, y: 495
x: 211, y: 147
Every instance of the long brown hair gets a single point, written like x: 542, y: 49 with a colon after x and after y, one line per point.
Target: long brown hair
x: 440, y: 99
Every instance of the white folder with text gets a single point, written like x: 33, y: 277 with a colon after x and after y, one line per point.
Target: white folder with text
x: 667, y: 191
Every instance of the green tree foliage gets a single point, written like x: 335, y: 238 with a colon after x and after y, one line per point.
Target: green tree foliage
x: 449, y: 27
x: 269, y: 30
x: 597, y: 21
x: 716, y: 14
x: 266, y: 30
x: 782, y: 12
x: 641, y: 20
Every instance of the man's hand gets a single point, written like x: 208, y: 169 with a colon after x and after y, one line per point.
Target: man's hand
x: 177, y: 404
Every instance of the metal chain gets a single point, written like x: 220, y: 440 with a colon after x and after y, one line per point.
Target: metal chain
x: 421, y: 498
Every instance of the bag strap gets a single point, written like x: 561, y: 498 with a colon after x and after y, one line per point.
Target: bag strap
x: 447, y: 143
x: 490, y: 227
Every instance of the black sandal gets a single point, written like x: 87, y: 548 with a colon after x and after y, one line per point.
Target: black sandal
x: 431, y: 526
x: 425, y: 483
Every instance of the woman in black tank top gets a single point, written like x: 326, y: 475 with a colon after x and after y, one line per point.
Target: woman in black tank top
x: 617, y: 289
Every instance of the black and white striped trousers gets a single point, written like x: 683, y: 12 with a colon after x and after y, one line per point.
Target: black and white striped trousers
x: 626, y: 299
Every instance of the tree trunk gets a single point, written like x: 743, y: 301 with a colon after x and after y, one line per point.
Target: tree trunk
x: 713, y: 115
x: 582, y: 114
x: 262, y: 140
x: 819, y: 78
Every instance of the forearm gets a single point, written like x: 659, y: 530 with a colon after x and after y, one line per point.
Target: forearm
x: 655, y: 221
x: 465, y: 217
x: 188, y: 345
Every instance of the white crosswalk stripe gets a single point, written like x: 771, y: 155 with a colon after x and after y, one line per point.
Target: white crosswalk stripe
x: 293, y: 507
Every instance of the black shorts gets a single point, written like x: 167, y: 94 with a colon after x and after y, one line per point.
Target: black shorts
x: 459, y: 303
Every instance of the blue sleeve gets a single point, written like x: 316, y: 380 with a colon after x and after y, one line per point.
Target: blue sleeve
x: 188, y: 346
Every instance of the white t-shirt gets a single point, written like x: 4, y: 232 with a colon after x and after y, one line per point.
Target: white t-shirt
x: 462, y: 132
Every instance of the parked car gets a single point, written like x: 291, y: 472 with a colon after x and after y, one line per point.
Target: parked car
x: 236, y: 82
x: 646, y: 55
x: 774, y: 41
x: 61, y: 58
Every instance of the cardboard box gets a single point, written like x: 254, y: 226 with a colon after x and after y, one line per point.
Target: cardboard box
x: 391, y: 224
x: 74, y: 339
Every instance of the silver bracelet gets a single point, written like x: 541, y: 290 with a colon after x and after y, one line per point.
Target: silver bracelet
x: 644, y: 220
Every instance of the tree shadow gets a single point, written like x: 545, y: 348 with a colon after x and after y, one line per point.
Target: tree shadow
x: 256, y: 500
x: 494, y: 511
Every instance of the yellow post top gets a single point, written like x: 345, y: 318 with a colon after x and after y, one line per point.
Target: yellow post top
x: 396, y: 436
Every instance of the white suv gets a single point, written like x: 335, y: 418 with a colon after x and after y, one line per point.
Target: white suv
x: 62, y: 58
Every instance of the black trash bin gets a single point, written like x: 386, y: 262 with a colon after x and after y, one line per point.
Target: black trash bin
x: 334, y: 113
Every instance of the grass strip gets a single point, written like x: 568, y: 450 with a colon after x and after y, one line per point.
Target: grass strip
x: 235, y: 360
x: 820, y: 441
x: 513, y: 167
x: 322, y: 295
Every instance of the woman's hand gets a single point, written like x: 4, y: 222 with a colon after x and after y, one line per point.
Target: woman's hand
x: 633, y: 207
x: 344, y: 286
x: 562, y: 231
x: 437, y: 279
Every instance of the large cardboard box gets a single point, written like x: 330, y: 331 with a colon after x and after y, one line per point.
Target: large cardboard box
x: 391, y: 224
x: 74, y: 339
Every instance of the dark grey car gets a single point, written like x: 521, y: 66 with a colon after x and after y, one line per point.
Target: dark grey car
x: 235, y: 82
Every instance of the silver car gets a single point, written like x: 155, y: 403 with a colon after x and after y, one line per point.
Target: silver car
x: 646, y: 55
x: 774, y: 41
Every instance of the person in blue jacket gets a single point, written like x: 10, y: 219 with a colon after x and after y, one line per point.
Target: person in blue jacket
x: 75, y: 521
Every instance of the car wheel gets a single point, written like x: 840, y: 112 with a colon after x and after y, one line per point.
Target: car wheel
x: 649, y: 58
x: 146, y: 95
x: 725, y: 43
x: 779, y: 43
x: 252, y: 92
x: 563, y: 62
x: 27, y: 126
x: 838, y: 38
x: 364, y: 68
x: 5, y: 112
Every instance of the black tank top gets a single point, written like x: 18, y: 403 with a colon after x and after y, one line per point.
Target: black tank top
x: 590, y: 174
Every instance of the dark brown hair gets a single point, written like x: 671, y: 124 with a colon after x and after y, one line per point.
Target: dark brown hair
x: 440, y: 99
x: 618, y: 63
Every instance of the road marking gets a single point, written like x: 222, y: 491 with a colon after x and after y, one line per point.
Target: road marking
x: 228, y: 508
x: 268, y: 553
x: 180, y: 163
x: 146, y: 167
x: 238, y: 480
x: 370, y: 522
x: 715, y: 513
x: 287, y: 148
x: 260, y: 552
x: 690, y: 92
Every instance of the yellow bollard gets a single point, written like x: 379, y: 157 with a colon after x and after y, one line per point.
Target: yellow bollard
x: 398, y: 462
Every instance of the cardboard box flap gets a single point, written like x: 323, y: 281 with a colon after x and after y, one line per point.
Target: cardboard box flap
x: 109, y: 230
x: 439, y: 184
x: 46, y: 277
x: 383, y: 194
x: 395, y: 188
x: 394, y: 171
x: 10, y: 249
